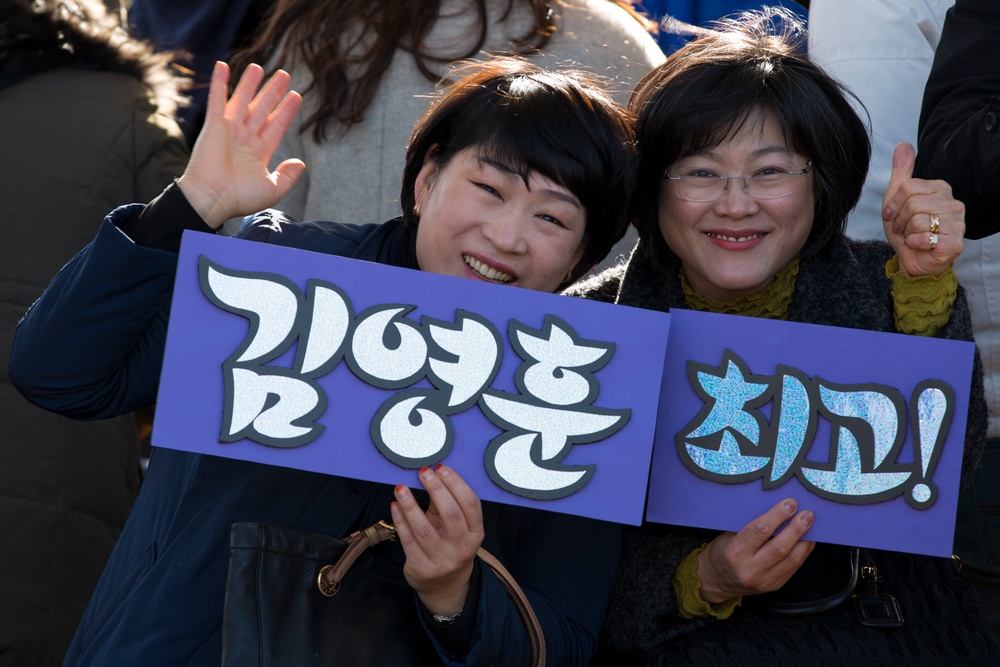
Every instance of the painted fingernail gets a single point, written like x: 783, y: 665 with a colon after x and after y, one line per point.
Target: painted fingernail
x: 402, y: 492
x: 441, y: 470
x: 394, y: 509
x: 425, y: 473
x: 791, y: 505
x: 807, y: 518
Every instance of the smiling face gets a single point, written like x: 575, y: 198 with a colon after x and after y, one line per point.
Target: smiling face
x: 481, y: 221
x: 736, y: 244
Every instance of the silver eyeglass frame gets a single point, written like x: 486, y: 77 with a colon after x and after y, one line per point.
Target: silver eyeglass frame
x: 746, y: 178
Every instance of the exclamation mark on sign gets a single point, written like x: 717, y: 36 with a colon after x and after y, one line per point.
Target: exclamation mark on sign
x: 930, y: 414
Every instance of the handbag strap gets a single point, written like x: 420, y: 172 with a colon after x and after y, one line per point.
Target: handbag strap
x: 330, y: 576
x: 523, y: 605
x: 814, y: 606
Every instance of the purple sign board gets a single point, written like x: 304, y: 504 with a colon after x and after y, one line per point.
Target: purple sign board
x: 866, y: 429
x: 310, y: 361
x: 298, y: 359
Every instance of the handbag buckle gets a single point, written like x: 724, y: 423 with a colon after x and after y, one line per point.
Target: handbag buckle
x: 874, y: 608
x: 329, y: 577
x: 327, y: 585
x: 392, y: 530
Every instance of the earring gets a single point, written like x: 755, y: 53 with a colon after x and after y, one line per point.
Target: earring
x: 416, y: 211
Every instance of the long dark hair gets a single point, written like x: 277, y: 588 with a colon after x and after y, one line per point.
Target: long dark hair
x: 561, y: 124
x: 39, y: 34
x: 348, y: 45
x: 749, y: 65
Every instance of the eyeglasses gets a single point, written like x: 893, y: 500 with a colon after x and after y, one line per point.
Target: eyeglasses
x: 703, y: 186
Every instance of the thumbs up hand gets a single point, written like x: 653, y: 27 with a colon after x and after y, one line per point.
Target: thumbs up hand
x: 923, y: 222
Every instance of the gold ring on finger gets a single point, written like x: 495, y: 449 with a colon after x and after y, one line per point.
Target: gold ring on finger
x: 933, y: 241
x: 935, y: 224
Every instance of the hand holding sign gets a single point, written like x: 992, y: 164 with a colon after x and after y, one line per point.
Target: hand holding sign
x: 228, y: 173
x: 752, y: 561
x: 923, y: 222
x: 440, y: 544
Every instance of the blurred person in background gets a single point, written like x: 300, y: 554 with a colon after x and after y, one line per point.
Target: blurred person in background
x: 87, y: 122
x: 367, y: 71
x: 703, y: 12
x: 200, y: 32
x: 960, y: 143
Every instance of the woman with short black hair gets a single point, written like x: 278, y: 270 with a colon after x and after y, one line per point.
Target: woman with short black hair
x: 516, y: 176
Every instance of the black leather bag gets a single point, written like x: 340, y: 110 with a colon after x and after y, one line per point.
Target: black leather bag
x: 289, y: 601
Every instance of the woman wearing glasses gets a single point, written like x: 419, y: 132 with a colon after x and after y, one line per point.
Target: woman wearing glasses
x: 750, y: 160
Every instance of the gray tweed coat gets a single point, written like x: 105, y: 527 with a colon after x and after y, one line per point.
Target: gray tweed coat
x: 844, y: 285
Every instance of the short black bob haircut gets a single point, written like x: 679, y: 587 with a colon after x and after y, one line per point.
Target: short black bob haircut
x: 747, y: 66
x: 562, y: 124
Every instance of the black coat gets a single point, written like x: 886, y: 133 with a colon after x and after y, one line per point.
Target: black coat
x: 93, y: 345
x: 959, y: 130
x: 76, y: 141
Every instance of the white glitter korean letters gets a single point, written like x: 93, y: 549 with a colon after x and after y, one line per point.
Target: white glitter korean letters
x: 730, y: 441
x: 280, y: 407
